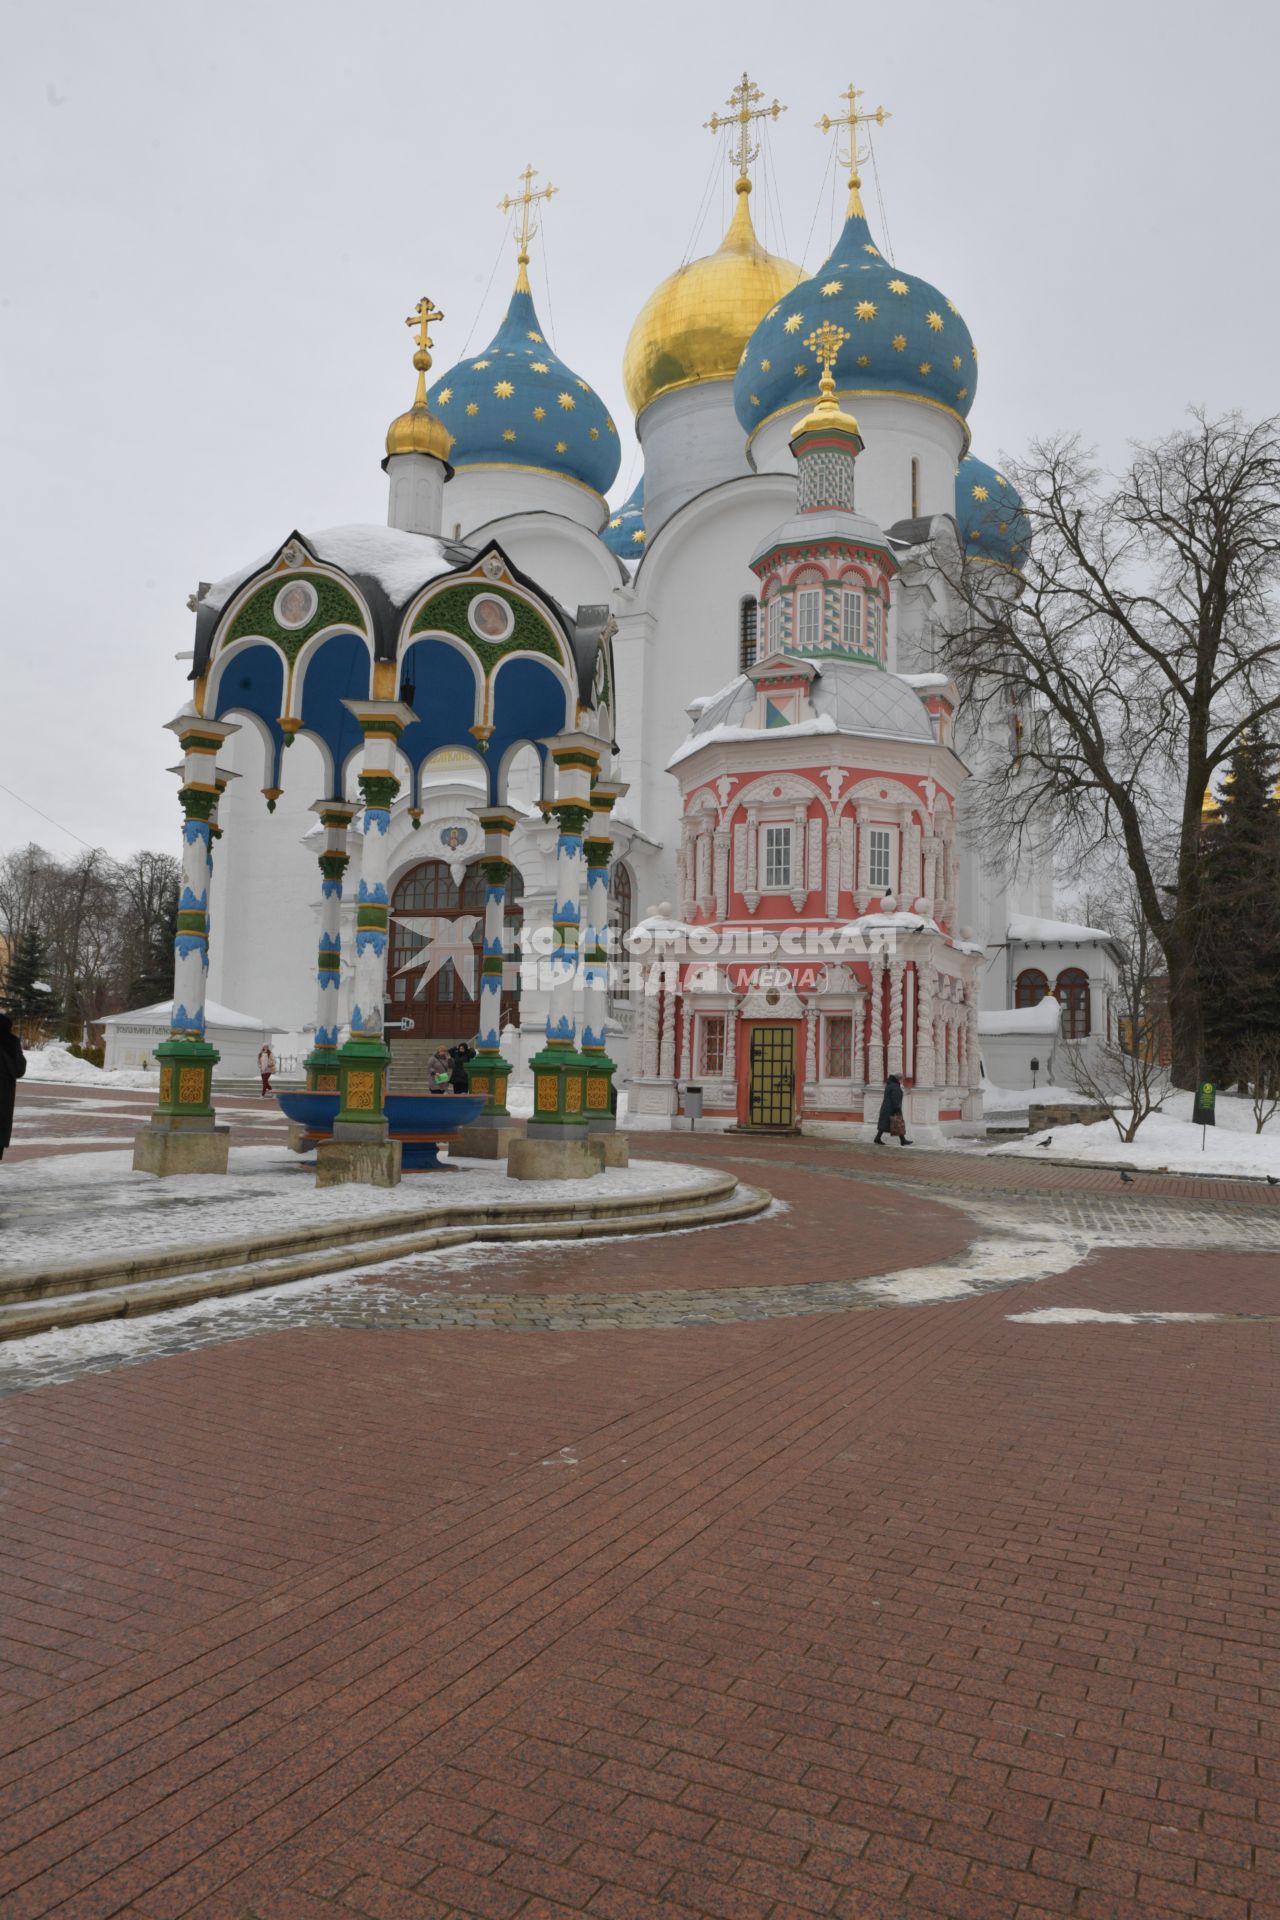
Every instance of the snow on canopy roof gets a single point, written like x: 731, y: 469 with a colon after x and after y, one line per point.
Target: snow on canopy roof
x: 1040, y: 1019
x: 1025, y: 926
x: 400, y: 562
x: 214, y: 1016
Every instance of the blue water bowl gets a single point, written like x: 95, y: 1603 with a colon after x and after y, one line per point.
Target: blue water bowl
x: 419, y: 1121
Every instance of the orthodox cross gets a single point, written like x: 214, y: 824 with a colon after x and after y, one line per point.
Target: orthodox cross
x: 424, y: 315
x: 744, y: 100
x: 824, y: 343
x: 850, y: 120
x: 526, y: 202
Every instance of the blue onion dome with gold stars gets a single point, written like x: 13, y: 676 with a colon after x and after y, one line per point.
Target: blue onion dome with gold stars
x: 903, y: 335
x: 623, y: 532
x: 989, y: 516
x: 517, y: 404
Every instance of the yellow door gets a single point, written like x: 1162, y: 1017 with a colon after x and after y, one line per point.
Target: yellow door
x: 772, y: 1092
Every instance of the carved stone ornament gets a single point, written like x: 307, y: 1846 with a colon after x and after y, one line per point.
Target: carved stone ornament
x: 491, y: 566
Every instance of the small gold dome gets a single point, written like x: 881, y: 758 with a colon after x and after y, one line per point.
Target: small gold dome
x: 694, y: 326
x: 418, y: 431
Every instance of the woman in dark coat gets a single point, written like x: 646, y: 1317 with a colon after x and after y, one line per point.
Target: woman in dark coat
x: 459, y: 1056
x: 891, y: 1109
x: 13, y: 1064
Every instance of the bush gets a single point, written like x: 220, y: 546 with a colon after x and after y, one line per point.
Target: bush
x: 96, y: 1056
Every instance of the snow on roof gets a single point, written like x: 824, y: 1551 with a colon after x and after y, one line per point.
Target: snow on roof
x: 214, y: 1016
x: 725, y: 732
x: 1026, y: 926
x: 922, y: 680
x: 400, y: 562
x: 1041, y: 1019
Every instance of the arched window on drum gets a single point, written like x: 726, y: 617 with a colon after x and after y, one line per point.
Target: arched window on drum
x: 1071, y: 990
x: 621, y: 920
x: 1030, y: 988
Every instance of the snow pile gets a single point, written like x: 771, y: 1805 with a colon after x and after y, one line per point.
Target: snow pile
x: 1097, y: 1316
x: 1018, y: 1099
x: 1168, y: 1142
x: 1055, y: 933
x: 1042, y: 1019
x: 56, y: 1062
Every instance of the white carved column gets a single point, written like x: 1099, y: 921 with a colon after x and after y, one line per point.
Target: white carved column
x: 856, y: 1070
x: 667, y: 1049
x: 926, y: 1059
x: 913, y: 882
x: 973, y: 1046
x: 649, y: 1021
x: 730, y: 1070
x: 721, y: 844
x: 897, y: 972
x: 875, y: 1038
x: 862, y: 895
x: 811, y: 1046
x: 751, y: 892
x: 686, y: 1039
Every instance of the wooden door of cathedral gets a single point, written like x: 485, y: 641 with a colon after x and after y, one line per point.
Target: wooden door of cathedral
x: 439, y: 1002
x: 771, y: 1088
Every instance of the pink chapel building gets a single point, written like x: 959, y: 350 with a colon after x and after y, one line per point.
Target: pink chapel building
x: 815, y: 950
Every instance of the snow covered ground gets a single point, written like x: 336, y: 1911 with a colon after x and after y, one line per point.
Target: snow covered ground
x: 1167, y: 1142
x: 74, y: 1206
x: 57, y: 1063
x: 1018, y: 1099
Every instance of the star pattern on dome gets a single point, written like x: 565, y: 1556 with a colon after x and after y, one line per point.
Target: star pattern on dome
x: 755, y: 399
x: 480, y: 365
x: 933, y: 320
x: 444, y: 396
x: 864, y: 359
x: 584, y: 386
x: 594, y: 433
x: 899, y: 286
x: 926, y: 366
x: 981, y: 493
x: 472, y: 407
x: 799, y: 371
x: 537, y: 338
x: 956, y: 362
x: 793, y: 323
x: 866, y: 310
x: 868, y: 248
x: 567, y: 401
x: 899, y: 343
x: 508, y: 433
x: 832, y: 287
x: 638, y: 537
x: 989, y: 515
x: 503, y: 389
x: 562, y: 446
x: 539, y: 366
x: 539, y: 413
x: 615, y: 522
x: 765, y: 365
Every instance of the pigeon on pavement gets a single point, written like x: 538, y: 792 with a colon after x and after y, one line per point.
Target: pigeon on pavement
x: 1126, y: 1177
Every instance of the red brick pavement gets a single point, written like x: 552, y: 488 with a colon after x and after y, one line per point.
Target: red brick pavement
x: 907, y: 1612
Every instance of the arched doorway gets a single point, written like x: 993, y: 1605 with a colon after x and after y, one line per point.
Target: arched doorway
x: 436, y: 1001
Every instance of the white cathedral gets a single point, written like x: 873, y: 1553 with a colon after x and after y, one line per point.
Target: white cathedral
x: 514, y: 448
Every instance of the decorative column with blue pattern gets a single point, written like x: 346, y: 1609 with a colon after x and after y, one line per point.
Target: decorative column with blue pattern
x: 322, y: 1062
x: 598, y: 848
x: 182, y: 1135
x: 560, y: 1071
x: 362, y: 1060
x: 489, y: 1073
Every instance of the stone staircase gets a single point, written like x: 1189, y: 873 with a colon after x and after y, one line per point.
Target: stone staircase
x: 409, y: 1060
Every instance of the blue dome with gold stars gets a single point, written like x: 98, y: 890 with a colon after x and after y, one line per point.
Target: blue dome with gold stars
x: 990, y: 516
x: 903, y: 336
x: 518, y: 405
x: 623, y: 533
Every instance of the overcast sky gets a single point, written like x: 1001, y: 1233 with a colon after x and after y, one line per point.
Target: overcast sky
x: 218, y: 212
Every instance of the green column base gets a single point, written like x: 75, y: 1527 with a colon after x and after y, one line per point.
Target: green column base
x: 186, y: 1079
x: 600, y: 1070
x: 489, y: 1074
x: 362, y: 1085
x: 321, y: 1069
x: 559, y: 1092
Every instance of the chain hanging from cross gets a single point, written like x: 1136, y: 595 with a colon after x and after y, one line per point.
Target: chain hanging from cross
x: 849, y: 121
x: 744, y: 100
x: 526, y: 202
x: 424, y: 316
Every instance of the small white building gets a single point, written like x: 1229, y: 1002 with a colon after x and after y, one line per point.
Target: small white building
x: 1061, y: 987
x: 131, y: 1038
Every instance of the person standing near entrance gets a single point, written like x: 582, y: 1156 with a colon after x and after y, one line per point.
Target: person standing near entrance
x: 13, y: 1064
x: 266, y: 1067
x: 891, y: 1118
x: 459, y: 1056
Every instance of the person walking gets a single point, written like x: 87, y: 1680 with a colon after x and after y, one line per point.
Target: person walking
x: 13, y: 1064
x: 891, y: 1118
x: 266, y: 1067
x: 459, y: 1057
x: 440, y: 1071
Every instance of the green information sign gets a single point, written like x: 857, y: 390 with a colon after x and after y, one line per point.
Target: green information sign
x: 1202, y: 1114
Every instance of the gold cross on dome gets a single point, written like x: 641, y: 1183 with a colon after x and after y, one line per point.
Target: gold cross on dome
x: 824, y: 343
x: 424, y: 316
x: 526, y: 201
x: 744, y: 100
x: 849, y: 121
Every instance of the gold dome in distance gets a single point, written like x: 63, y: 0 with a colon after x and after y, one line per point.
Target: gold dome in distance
x: 694, y: 326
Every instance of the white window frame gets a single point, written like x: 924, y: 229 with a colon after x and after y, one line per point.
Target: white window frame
x: 851, y: 619
x: 773, y: 625
x: 808, y: 613
x: 876, y: 845
x: 784, y: 829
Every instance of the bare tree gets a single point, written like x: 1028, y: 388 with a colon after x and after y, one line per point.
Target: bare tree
x: 1257, y: 1065
x: 1123, y: 1071
x: 1145, y: 641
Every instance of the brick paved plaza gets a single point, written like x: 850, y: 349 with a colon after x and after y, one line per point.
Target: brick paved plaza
x: 402, y: 1599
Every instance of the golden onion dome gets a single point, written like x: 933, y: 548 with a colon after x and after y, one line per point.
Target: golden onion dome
x: 418, y: 431
x: 695, y: 325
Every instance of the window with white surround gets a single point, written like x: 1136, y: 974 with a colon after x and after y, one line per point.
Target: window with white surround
x: 809, y: 617
x: 851, y: 620
x: 711, y: 1047
x: 773, y: 630
x: 777, y: 857
x: 880, y: 866
x: 837, y: 1052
